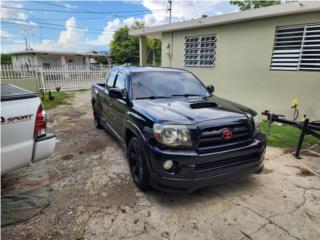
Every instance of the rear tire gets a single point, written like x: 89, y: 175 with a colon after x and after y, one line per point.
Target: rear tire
x: 96, y: 118
x: 137, y: 164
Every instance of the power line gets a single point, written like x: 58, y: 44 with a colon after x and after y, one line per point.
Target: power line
x: 87, y: 12
x: 48, y: 27
x: 93, y: 18
x: 60, y: 26
x: 66, y: 7
x: 52, y: 4
x: 9, y: 37
x: 52, y: 24
x: 14, y: 32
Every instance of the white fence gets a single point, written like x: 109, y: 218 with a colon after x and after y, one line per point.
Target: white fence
x: 67, y: 77
x: 10, y: 72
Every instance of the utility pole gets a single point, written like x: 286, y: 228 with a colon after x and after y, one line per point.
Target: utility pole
x: 170, y: 10
x: 27, y: 48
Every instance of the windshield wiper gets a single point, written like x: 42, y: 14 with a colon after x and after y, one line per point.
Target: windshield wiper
x: 187, y: 95
x: 152, y: 97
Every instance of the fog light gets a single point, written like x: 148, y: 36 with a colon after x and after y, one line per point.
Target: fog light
x: 167, y: 165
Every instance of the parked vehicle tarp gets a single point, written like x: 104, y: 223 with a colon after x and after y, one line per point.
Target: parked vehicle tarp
x: 24, y: 193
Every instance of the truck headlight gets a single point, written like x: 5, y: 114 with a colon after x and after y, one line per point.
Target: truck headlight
x: 172, y: 135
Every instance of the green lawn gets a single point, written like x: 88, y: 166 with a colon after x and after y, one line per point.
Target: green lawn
x: 285, y: 136
x: 58, y: 99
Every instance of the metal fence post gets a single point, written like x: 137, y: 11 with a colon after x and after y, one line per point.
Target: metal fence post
x: 42, y: 80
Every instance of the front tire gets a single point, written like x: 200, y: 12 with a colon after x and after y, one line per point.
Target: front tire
x: 137, y: 164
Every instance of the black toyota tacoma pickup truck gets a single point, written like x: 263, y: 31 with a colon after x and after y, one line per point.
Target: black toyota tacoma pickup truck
x: 178, y: 136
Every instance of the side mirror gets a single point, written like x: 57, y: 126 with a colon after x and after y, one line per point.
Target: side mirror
x: 116, y: 93
x: 210, y: 88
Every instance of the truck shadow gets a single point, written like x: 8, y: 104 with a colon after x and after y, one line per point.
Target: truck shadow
x: 219, y: 192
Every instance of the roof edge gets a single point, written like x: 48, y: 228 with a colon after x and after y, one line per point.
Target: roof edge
x: 59, y: 53
x: 259, y: 13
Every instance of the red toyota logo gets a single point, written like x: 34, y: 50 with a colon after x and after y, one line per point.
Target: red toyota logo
x: 227, y: 134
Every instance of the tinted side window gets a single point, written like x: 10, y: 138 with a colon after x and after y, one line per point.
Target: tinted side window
x: 111, y: 79
x: 120, y: 83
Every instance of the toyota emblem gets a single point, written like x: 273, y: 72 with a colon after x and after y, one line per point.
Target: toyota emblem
x: 227, y: 134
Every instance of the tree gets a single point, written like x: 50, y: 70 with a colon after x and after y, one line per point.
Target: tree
x: 153, y: 52
x: 125, y: 48
x: 250, y: 4
x: 102, y: 60
x: 5, y: 58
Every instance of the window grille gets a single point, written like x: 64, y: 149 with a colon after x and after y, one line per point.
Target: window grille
x: 200, y: 50
x: 297, y: 48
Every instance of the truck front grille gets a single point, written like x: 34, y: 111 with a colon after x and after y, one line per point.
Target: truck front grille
x: 212, y: 138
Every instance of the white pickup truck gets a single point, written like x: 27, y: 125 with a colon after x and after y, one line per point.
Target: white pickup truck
x: 23, y: 129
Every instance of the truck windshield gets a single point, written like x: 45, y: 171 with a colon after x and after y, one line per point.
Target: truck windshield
x: 166, y: 84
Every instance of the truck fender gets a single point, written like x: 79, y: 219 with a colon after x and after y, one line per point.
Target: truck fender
x: 135, y: 130
x: 138, y: 133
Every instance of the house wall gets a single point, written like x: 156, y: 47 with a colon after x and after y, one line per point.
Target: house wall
x: 78, y: 60
x: 18, y: 60
x: 242, y: 67
x: 54, y: 60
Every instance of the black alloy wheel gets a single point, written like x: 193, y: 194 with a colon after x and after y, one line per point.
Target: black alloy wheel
x: 137, y: 164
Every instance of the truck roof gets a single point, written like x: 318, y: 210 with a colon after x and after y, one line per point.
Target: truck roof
x: 130, y: 69
x: 11, y: 92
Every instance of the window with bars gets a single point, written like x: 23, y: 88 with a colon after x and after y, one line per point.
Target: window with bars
x: 297, y: 48
x: 200, y: 51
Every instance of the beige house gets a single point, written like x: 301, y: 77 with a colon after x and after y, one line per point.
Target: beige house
x: 34, y: 58
x: 262, y: 58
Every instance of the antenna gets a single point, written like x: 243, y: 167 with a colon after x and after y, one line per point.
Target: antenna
x: 170, y: 10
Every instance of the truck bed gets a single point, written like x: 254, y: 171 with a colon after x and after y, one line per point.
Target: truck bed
x: 10, y: 92
x: 96, y: 88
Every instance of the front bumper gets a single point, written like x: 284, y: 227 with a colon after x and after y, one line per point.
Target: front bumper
x: 194, y: 171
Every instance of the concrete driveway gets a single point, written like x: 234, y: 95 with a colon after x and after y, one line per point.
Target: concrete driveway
x: 93, y: 197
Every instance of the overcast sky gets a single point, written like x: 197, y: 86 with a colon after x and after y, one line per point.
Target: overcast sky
x: 89, y: 25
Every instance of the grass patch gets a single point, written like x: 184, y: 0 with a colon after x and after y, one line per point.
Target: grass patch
x: 81, y: 237
x: 285, y: 136
x: 59, y: 98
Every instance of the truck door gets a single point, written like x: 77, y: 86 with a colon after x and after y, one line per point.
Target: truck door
x: 119, y: 106
x: 106, y: 100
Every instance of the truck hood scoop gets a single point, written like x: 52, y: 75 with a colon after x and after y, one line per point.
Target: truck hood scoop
x: 203, y: 105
